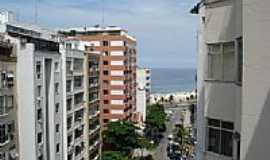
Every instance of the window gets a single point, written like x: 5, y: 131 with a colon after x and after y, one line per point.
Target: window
x: 56, y: 66
x: 105, y: 92
x: 57, y: 128
x: 9, y: 102
x: 106, y: 101
x: 106, y: 53
x: 69, y: 122
x: 39, y: 114
x: 105, y: 120
x: 2, y: 107
x: 38, y: 69
x: 220, y: 137
x: 57, y: 147
x: 69, y: 104
x: 56, y: 88
x: 240, y: 59
x: 40, y: 157
x: 106, y: 73
x: 57, y: 105
x: 78, y: 81
x: 3, y: 133
x: 39, y: 91
x: 78, y: 65
x: 39, y: 137
x: 78, y: 98
x: 105, y: 43
x: 68, y: 85
x: 105, y: 63
x: 69, y: 67
x: 106, y: 111
x: 221, y: 61
x: 68, y: 45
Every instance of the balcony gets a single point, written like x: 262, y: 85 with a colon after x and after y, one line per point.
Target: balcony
x: 94, y: 115
x: 95, y: 129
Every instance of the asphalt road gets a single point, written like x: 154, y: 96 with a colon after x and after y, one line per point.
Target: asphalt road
x: 161, y: 151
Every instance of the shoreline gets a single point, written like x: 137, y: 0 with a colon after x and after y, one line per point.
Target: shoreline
x: 175, y: 97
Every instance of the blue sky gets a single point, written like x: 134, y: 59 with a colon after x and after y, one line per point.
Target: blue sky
x: 165, y: 30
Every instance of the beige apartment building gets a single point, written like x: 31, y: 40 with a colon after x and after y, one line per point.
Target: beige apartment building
x: 117, y: 70
x: 233, y: 79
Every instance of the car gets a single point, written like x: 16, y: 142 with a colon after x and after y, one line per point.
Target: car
x: 170, y: 137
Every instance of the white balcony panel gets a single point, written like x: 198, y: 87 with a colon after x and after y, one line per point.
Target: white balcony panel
x: 117, y: 82
x: 117, y: 53
x: 117, y: 102
x: 117, y: 92
x: 117, y: 63
x: 117, y: 43
x: 117, y: 111
x: 117, y: 73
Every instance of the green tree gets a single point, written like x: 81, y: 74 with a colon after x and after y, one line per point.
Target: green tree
x: 113, y: 155
x: 155, y: 121
x: 181, y: 136
x: 121, y: 136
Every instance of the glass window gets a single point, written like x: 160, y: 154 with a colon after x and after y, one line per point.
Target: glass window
x: 78, y: 98
x: 57, y: 105
x: 220, y: 137
x: 38, y: 69
x: 39, y: 114
x: 56, y: 88
x: 78, y: 65
x: 56, y: 66
x: 69, y: 104
x: 39, y: 91
x: 39, y: 137
x: 2, y: 107
x: 221, y: 61
x: 78, y: 81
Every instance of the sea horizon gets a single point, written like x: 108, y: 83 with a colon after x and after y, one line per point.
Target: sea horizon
x: 172, y: 80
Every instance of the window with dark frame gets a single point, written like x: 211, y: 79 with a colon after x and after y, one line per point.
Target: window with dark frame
x: 220, y: 137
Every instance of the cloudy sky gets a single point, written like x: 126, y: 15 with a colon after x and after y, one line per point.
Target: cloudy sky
x: 165, y: 30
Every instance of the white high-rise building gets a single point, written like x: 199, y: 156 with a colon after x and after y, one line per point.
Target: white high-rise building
x: 38, y: 89
x: 143, y: 90
x: 233, y: 79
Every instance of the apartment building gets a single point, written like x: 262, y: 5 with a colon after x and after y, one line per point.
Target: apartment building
x: 144, y: 79
x: 81, y: 108
x: 8, y: 102
x: 38, y: 89
x: 233, y: 79
x: 117, y: 70
x: 143, y: 91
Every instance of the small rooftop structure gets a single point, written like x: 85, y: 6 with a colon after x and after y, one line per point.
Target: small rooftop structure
x: 96, y: 30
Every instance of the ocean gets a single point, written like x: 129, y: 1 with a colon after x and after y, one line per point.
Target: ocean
x: 169, y: 80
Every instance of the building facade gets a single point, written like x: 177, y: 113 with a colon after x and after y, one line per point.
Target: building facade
x: 38, y: 89
x: 117, y: 70
x: 8, y: 102
x: 233, y: 84
x: 143, y: 91
x: 82, y: 129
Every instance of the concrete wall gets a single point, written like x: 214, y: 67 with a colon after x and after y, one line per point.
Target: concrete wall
x: 255, y: 131
x: 219, y: 22
x: 26, y: 102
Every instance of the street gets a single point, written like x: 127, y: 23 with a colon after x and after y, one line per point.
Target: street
x: 161, y: 151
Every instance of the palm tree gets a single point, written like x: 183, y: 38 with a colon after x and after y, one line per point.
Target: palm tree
x: 182, y: 136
